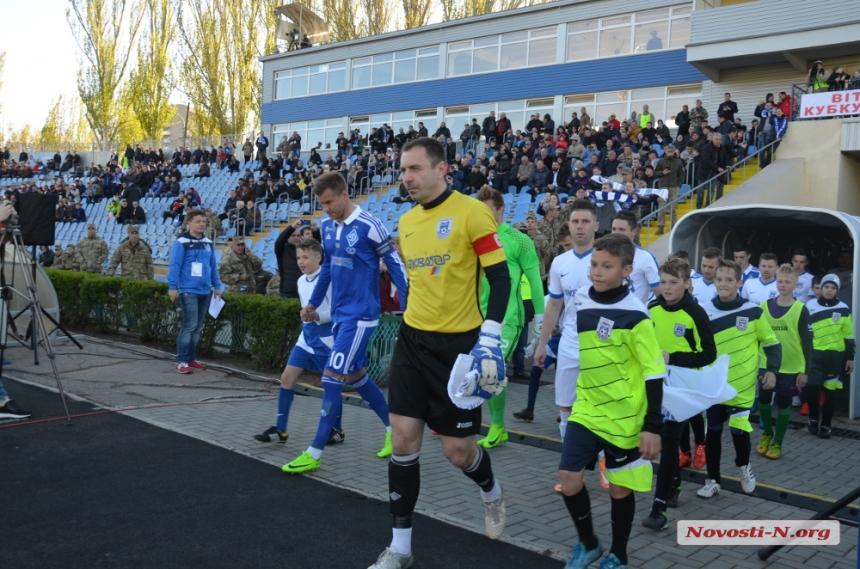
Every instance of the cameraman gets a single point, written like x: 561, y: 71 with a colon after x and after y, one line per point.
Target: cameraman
x: 8, y: 408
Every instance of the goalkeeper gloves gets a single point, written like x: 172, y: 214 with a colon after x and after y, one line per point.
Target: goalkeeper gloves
x: 489, y: 361
x: 536, y: 330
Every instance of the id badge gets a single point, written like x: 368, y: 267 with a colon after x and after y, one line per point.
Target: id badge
x: 196, y: 269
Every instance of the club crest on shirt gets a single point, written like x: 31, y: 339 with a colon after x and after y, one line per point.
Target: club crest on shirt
x: 836, y: 316
x: 604, y: 328
x: 742, y: 323
x: 773, y: 294
x: 352, y: 238
x: 443, y: 228
x: 680, y: 330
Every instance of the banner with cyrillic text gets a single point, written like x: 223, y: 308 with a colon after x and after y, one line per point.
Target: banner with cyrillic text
x: 830, y: 104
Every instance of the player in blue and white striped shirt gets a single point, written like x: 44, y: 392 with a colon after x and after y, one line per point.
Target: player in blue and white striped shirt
x: 353, y: 241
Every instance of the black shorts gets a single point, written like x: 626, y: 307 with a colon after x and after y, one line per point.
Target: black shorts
x: 418, y: 384
x: 826, y: 364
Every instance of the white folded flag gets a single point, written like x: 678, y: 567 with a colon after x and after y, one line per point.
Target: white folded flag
x: 661, y: 193
x: 687, y: 392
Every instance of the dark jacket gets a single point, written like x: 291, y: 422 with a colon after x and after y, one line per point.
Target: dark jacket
x: 728, y: 109
x: 288, y: 267
x: 711, y: 159
x: 488, y: 127
x: 692, y: 359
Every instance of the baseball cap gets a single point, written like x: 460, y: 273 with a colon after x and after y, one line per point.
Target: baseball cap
x: 132, y: 229
x: 531, y: 215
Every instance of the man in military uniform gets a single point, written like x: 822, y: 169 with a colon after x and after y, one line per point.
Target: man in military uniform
x: 213, y: 224
x: 135, y: 256
x: 550, y: 225
x: 274, y: 286
x: 239, y: 267
x: 92, y: 251
x: 69, y: 261
x: 541, y: 244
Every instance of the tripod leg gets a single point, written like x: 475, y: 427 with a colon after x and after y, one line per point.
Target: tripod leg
x: 60, y: 328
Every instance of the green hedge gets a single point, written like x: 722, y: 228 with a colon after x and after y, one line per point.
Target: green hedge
x: 266, y: 326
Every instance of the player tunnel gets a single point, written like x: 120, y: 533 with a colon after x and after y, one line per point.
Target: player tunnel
x: 826, y: 235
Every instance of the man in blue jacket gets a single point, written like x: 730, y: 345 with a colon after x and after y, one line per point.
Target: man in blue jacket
x: 192, y: 276
x: 779, y: 125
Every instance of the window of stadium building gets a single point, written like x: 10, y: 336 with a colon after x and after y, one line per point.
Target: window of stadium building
x: 398, y: 120
x: 312, y: 132
x: 507, y: 51
x: 518, y: 112
x: 652, y: 30
x: 314, y: 80
x: 664, y: 103
x: 397, y: 67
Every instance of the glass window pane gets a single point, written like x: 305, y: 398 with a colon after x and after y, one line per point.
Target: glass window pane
x: 483, y: 110
x: 692, y: 89
x: 315, y: 68
x: 642, y: 94
x: 514, y: 37
x: 338, y: 65
x: 429, y: 50
x: 330, y: 137
x: 337, y: 123
x: 383, y: 57
x: 582, y: 46
x: 651, y: 15
x: 428, y: 68
x: 651, y: 37
x: 282, y: 88
x: 299, y: 87
x: 361, y: 77
x: 612, y: 97
x: 513, y: 56
x: 404, y: 116
x: 582, y: 26
x: 616, y: 21
x: 540, y: 103
x: 680, y: 32
x: 455, y: 46
x: 681, y: 10
x: 614, y: 42
x: 382, y: 74
x: 316, y: 124
x: 404, y: 54
x: 517, y: 118
x: 543, y: 32
x: 460, y: 63
x: 578, y: 99
x: 336, y: 81
x: 362, y: 61
x: 486, y: 59
x: 487, y: 41
x: 404, y: 71
x: 508, y: 106
x: 378, y: 120
x: 542, y: 51
x: 655, y: 107
x: 313, y: 138
x: 318, y: 83
x: 301, y: 71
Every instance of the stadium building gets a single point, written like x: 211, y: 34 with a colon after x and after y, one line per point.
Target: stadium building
x: 609, y: 56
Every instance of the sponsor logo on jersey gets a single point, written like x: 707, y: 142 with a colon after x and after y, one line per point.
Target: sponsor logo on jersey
x: 350, y: 250
x: 431, y: 261
x: 344, y: 262
x: 680, y: 330
x: 443, y: 228
x: 435, y: 270
x: 742, y: 323
x: 773, y: 294
x: 352, y: 238
x: 836, y: 316
x: 604, y: 328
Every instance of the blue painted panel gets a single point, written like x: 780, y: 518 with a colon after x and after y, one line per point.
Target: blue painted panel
x: 631, y: 72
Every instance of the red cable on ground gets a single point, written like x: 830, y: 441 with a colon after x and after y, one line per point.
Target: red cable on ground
x: 139, y: 408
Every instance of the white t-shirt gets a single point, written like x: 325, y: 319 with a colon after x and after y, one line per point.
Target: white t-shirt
x: 803, y: 292
x: 569, y: 272
x: 645, y: 275
x: 703, y: 291
x: 756, y: 290
x: 751, y: 272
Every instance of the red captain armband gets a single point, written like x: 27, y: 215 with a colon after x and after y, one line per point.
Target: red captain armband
x: 487, y: 244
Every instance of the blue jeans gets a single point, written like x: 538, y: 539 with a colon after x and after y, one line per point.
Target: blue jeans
x: 194, y: 309
x: 3, y: 394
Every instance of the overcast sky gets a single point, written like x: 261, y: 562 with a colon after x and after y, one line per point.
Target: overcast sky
x: 41, y: 60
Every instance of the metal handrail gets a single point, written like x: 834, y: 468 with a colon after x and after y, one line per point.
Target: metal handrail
x: 668, y: 205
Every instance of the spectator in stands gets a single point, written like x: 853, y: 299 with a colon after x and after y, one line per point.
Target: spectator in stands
x: 611, y: 164
x: 817, y: 77
x: 237, y: 217
x: 654, y: 43
x: 488, y: 127
x: 93, y: 251
x: 232, y: 164
x: 523, y: 172
x: 697, y: 115
x: 78, y: 214
x: 138, y: 214
x: 728, y: 108
x: 538, y: 180
x: 253, y: 218
x: 855, y: 81
x: 203, y: 171
x: 296, y: 144
x: 47, y: 256
x: 672, y: 173
x: 247, y: 150
x: 784, y: 103
x: 475, y: 180
x: 838, y: 80
x: 715, y: 161
x: 779, y: 125
x: 262, y: 145
x: 285, y: 253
